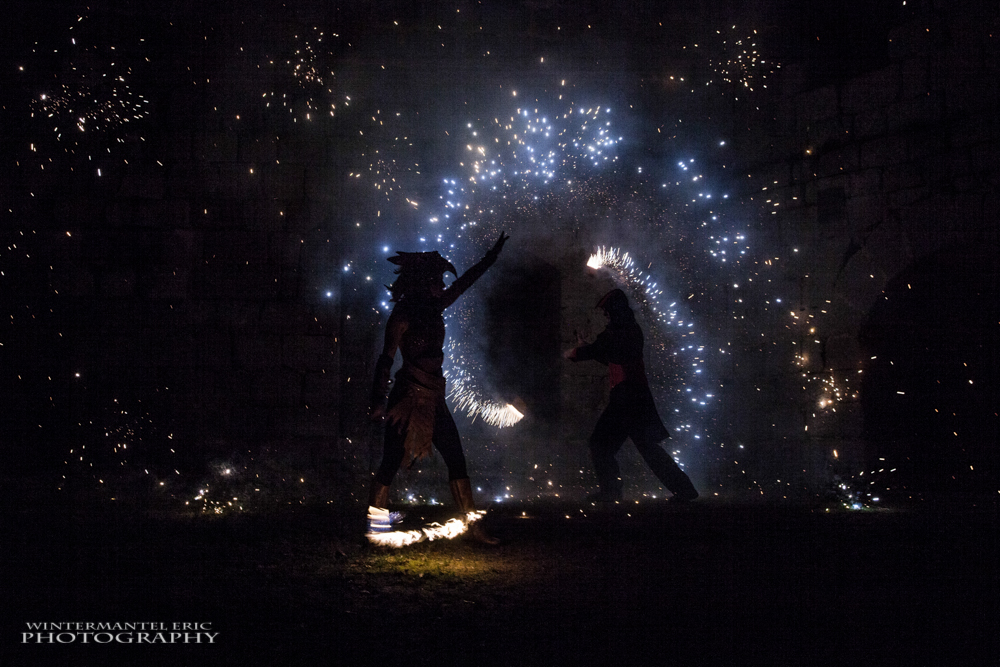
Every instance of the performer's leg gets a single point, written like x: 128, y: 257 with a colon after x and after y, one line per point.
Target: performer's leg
x: 667, y: 470
x: 448, y: 442
x: 605, y: 441
x: 392, y: 457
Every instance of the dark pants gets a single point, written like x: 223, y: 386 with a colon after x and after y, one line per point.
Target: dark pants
x: 632, y: 414
x: 445, y: 439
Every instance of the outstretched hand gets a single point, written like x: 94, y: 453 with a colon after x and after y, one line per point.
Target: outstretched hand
x: 571, y: 353
x: 498, y: 246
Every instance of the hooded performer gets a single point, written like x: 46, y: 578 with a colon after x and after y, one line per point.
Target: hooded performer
x: 631, y: 412
x: 417, y: 414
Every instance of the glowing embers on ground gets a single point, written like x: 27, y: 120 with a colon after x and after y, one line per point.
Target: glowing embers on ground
x: 380, y: 532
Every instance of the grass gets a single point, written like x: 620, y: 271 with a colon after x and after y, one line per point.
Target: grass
x: 718, y: 581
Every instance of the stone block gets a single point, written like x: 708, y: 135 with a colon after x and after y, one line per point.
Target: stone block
x: 913, y: 39
x: 905, y: 198
x: 301, y: 149
x: 285, y: 248
x: 217, y: 148
x: 321, y: 184
x: 838, y: 161
x: 870, y: 91
x: 864, y: 183
x: 861, y: 281
x: 258, y: 150
x: 184, y: 181
x: 884, y: 151
x: 915, y: 78
x: 822, y: 132
x: 235, y: 246
x: 321, y: 389
x: 119, y: 214
x: 924, y: 110
x: 233, y: 181
x: 284, y: 181
x: 312, y: 423
x: 72, y: 279
x: 143, y: 186
x: 182, y: 248
x: 161, y: 213
x: 964, y: 95
x: 974, y: 130
x: 902, y: 176
x: 923, y: 225
x: 238, y: 281
x: 869, y: 124
x: 865, y: 212
x: 889, y: 249
x: 276, y: 387
x: 309, y: 353
x: 213, y: 348
x: 819, y: 103
x: 256, y: 350
x: 118, y: 284
x: 79, y: 212
x: 170, y: 284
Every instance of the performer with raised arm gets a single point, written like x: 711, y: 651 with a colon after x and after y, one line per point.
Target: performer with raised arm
x: 417, y: 414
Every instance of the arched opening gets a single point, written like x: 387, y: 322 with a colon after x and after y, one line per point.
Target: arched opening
x: 522, y: 338
x: 930, y: 387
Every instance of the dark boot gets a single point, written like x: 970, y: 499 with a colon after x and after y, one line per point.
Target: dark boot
x: 461, y: 490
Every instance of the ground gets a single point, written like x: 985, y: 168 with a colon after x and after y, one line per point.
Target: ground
x: 712, y: 582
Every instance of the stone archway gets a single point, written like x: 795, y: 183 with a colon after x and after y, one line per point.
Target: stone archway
x: 931, y: 388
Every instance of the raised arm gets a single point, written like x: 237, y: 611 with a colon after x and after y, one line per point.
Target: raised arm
x: 465, y: 281
x: 394, y: 330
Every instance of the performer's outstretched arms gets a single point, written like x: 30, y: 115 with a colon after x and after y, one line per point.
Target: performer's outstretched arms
x: 465, y: 281
x: 572, y: 353
x: 599, y: 350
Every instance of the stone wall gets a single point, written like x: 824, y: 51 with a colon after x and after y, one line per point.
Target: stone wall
x: 860, y: 181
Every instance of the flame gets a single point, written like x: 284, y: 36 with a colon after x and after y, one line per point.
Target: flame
x: 402, y: 538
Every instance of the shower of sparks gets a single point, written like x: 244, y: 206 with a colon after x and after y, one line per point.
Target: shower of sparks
x: 641, y: 284
x: 738, y: 63
x: 519, y: 169
x: 91, y: 92
x: 304, y: 78
x: 510, y: 166
x: 130, y: 436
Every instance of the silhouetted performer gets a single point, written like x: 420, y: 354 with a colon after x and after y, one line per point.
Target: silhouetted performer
x: 631, y: 412
x: 417, y: 413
